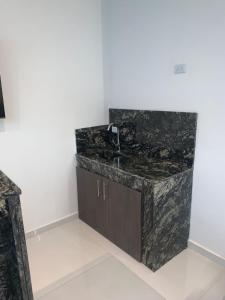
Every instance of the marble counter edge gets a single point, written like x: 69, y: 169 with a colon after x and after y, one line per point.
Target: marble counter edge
x: 144, y: 179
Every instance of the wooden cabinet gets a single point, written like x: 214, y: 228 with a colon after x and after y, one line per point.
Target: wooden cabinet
x: 124, y: 218
x: 91, y: 202
x: 112, y: 209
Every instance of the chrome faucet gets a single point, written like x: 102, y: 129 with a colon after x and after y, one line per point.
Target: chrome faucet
x: 110, y: 126
x: 116, y: 130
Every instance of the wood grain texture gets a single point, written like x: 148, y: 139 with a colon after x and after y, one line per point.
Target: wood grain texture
x: 90, y: 200
x: 111, y: 209
x: 124, y: 221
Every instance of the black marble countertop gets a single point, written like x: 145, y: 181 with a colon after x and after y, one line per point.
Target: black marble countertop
x: 148, y: 168
x: 7, y: 187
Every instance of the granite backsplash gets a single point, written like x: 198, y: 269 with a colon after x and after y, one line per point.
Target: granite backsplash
x: 158, y: 134
x: 152, y: 134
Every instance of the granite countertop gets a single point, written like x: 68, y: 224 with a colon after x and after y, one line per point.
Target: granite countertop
x: 7, y: 187
x: 147, y: 168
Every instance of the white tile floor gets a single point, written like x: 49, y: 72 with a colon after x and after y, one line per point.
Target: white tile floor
x: 61, y: 251
x: 105, y: 279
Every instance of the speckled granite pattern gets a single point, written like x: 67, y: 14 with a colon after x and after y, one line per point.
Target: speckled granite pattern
x: 15, y: 281
x: 113, y: 173
x: 170, y: 213
x: 7, y: 186
x: 157, y: 155
x: 133, y: 164
x: 158, y: 134
x: 88, y: 139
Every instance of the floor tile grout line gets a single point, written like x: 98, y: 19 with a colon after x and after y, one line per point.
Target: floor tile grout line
x: 88, y: 269
x: 137, y: 275
x: 105, y: 245
x: 63, y: 281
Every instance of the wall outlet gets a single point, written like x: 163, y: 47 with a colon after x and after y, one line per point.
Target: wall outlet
x: 114, y: 129
x: 180, y: 69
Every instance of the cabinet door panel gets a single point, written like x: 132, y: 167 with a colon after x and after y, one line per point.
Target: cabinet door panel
x: 124, y: 218
x: 90, y: 199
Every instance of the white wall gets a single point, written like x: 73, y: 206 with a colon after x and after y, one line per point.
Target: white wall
x: 51, y: 68
x: 143, y: 40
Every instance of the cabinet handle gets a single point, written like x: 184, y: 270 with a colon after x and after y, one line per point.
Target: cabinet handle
x: 98, y: 187
x: 104, y: 195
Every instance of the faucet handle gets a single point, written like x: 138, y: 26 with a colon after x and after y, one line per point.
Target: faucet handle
x: 115, y: 129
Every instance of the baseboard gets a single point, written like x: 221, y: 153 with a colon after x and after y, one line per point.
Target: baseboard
x: 52, y: 225
x: 191, y: 244
x: 207, y: 253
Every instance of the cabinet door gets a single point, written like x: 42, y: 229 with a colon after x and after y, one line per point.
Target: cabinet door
x: 91, y: 200
x: 124, y: 218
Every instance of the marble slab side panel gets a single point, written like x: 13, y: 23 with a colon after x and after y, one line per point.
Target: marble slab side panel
x: 9, y: 277
x: 147, y: 213
x: 171, y: 220
x: 20, y: 247
x: 159, y: 134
